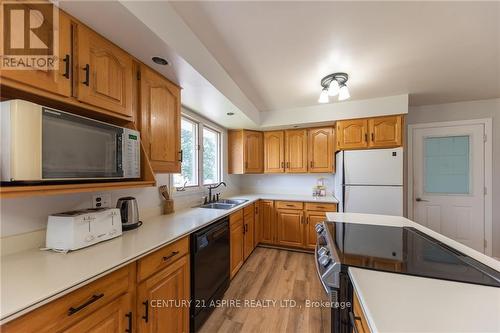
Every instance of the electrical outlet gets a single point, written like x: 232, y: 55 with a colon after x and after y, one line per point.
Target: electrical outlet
x: 101, y: 200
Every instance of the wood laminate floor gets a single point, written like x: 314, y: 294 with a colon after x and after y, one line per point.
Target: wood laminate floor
x: 276, y: 278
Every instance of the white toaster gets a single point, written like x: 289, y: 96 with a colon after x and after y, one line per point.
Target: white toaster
x: 80, y: 228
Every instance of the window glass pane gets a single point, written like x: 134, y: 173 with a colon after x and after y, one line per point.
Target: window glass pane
x: 189, y: 166
x: 447, y: 164
x: 211, y: 156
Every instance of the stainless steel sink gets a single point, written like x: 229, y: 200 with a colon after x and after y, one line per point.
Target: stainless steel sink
x: 233, y: 201
x: 218, y: 205
x: 224, y: 204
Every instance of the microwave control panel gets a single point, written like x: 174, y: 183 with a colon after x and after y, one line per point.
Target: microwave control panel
x: 131, y: 154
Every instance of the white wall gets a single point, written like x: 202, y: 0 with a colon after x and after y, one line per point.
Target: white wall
x: 283, y: 183
x: 463, y: 111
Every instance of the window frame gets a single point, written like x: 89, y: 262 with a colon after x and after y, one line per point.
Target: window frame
x: 200, y: 125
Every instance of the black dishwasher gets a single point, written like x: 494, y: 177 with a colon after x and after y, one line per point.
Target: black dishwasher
x: 209, y: 270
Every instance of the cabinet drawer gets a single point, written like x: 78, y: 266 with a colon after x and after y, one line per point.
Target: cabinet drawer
x: 71, y: 308
x: 322, y: 207
x: 289, y: 205
x: 161, y: 258
x: 359, y: 316
x: 235, y: 217
x: 250, y: 209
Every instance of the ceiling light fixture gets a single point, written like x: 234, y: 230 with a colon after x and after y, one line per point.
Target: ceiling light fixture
x: 160, y: 61
x: 333, y: 85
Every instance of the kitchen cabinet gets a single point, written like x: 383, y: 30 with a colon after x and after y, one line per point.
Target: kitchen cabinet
x: 54, y: 81
x: 385, y: 132
x: 245, y: 152
x: 321, y: 150
x: 236, y: 242
x: 358, y: 315
x: 104, y: 73
x: 290, y: 223
x: 248, y: 230
x: 274, y: 152
x: 296, y: 151
x: 114, y: 317
x: 267, y: 216
x: 352, y: 134
x: 312, y: 218
x: 170, y: 284
x: 102, y: 304
x: 159, y: 121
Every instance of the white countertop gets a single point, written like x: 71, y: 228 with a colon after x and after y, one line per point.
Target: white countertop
x: 32, y: 278
x: 402, y: 303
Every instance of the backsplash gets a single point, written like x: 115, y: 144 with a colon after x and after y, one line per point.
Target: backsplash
x: 284, y: 183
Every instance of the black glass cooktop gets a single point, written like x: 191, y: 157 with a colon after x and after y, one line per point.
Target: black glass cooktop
x: 406, y: 250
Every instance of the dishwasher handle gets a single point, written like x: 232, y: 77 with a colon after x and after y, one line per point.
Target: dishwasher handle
x: 204, y: 239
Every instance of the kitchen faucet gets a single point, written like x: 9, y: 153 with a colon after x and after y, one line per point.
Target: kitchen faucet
x: 213, y: 187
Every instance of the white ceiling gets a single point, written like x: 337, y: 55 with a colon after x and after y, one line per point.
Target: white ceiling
x: 277, y: 52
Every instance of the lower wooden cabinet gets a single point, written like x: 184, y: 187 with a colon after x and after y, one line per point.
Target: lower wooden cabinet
x: 312, y: 218
x: 236, y: 242
x: 116, y: 316
x: 248, y: 230
x: 290, y: 225
x: 162, y: 299
x: 267, y: 221
x: 358, y: 317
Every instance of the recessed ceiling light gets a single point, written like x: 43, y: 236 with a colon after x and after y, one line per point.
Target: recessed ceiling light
x: 230, y: 113
x: 160, y: 61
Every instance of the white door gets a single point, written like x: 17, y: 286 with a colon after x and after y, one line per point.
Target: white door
x: 448, y: 182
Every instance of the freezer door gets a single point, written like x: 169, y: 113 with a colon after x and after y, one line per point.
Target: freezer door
x: 373, y: 167
x: 386, y: 200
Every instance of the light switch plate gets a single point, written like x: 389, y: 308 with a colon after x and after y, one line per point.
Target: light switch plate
x: 101, y: 200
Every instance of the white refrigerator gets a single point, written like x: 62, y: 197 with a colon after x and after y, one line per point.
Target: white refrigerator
x: 370, y: 181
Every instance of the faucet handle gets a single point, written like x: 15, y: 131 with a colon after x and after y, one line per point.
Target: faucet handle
x: 217, y: 197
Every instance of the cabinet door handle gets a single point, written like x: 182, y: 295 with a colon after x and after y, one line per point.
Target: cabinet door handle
x: 66, y: 66
x: 95, y: 297
x: 312, y: 164
x: 181, y: 156
x: 288, y: 165
x: 307, y: 220
x: 366, y: 137
x: 87, y: 75
x: 283, y: 165
x: 129, y: 319
x: 173, y: 254
x: 146, y: 310
x: 373, y: 136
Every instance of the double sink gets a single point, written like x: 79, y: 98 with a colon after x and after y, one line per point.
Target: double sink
x: 224, y: 204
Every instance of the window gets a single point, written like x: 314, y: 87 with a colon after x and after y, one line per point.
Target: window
x: 189, y: 143
x: 211, y: 156
x: 200, y: 166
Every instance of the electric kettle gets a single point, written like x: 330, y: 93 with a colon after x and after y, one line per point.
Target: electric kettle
x: 129, y: 213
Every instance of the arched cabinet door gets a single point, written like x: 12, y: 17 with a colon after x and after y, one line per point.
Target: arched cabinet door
x: 321, y: 150
x: 352, y: 134
x: 385, y: 131
x: 105, y: 73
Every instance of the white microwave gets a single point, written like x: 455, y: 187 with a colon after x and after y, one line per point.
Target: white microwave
x: 40, y: 144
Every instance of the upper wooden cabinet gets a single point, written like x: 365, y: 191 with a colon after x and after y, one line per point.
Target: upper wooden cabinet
x: 296, y: 151
x: 245, y: 152
x: 159, y: 121
x: 352, y: 134
x: 54, y: 81
x: 321, y: 150
x: 274, y: 152
x: 377, y: 132
x: 104, y: 73
x: 385, y: 131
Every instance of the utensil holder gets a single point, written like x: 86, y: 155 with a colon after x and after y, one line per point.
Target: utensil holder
x: 168, y: 206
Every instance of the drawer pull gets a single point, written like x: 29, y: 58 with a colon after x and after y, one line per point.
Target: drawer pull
x: 129, y: 320
x: 94, y: 298
x: 290, y: 205
x: 146, y: 311
x: 173, y: 254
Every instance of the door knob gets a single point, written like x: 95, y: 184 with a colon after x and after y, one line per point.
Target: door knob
x: 420, y: 199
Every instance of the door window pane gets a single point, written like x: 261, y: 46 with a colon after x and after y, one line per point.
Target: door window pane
x: 211, y: 156
x: 189, y: 166
x: 446, y: 165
